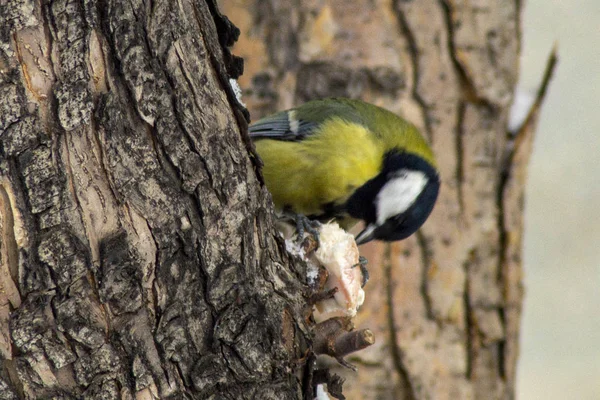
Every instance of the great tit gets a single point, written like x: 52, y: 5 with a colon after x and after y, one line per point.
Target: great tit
x: 348, y: 160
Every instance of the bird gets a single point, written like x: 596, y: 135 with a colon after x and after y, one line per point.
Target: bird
x: 347, y: 160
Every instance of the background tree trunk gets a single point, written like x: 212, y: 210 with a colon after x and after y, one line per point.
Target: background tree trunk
x: 444, y: 304
x: 138, y: 255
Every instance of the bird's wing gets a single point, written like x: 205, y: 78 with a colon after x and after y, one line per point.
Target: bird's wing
x: 282, y: 126
x: 298, y: 123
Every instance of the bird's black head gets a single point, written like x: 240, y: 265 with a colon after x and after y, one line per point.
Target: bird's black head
x: 396, y: 202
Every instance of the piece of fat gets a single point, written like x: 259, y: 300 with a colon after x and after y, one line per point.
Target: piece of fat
x: 338, y: 253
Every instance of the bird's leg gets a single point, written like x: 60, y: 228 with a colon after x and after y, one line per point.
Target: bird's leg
x: 304, y: 224
x: 362, y: 263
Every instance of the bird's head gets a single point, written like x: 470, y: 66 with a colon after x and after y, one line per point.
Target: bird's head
x: 396, y: 202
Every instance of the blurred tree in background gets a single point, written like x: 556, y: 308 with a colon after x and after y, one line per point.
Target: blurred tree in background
x: 445, y: 304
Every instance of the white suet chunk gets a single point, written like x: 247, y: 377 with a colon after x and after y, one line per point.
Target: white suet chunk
x: 338, y: 253
x: 237, y: 90
x: 322, y: 393
x: 522, y: 102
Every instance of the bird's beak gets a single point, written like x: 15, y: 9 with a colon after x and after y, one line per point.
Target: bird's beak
x: 366, y: 235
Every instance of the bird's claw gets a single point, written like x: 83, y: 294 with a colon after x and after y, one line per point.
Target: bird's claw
x: 362, y: 263
x: 304, y: 224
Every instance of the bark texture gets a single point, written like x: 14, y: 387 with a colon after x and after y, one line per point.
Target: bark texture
x: 444, y: 304
x: 137, y: 250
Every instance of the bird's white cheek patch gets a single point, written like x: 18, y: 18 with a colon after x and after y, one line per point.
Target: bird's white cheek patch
x: 399, y: 193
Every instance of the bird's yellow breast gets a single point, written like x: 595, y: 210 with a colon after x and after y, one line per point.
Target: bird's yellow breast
x: 326, y: 167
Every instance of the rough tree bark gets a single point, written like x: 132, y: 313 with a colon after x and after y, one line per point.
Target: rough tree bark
x: 444, y: 304
x: 138, y: 257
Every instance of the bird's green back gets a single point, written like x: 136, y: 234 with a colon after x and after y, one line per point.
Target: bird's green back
x: 394, y: 131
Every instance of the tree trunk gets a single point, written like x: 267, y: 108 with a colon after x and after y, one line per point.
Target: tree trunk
x: 138, y: 253
x: 444, y: 304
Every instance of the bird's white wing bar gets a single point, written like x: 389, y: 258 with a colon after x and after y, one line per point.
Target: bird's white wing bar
x: 293, y: 121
